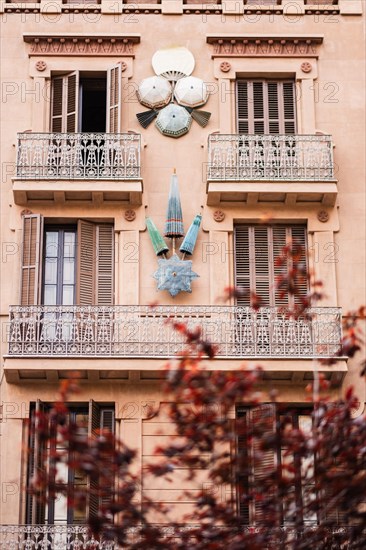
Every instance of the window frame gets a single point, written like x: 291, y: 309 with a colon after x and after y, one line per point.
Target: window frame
x: 266, y: 108
x: 295, y: 410
x: 46, y: 510
x: 252, y: 272
x: 61, y: 229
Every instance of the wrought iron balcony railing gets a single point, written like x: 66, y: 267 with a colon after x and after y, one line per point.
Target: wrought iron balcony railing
x: 270, y: 157
x: 78, y: 156
x: 143, y: 331
x: 78, y: 537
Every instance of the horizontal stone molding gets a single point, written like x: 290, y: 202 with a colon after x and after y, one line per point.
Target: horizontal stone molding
x: 81, y: 45
x: 264, y: 46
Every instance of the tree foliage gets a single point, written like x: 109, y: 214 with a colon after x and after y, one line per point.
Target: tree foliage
x: 310, y: 491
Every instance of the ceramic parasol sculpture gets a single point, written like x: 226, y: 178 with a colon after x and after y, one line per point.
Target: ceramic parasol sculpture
x: 174, y: 274
x: 174, y: 67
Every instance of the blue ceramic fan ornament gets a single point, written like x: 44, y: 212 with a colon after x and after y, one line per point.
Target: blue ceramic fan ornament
x: 175, y: 275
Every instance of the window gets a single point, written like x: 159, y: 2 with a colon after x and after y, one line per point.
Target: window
x: 66, y: 264
x: 291, y: 506
x: 86, y: 102
x: 90, y: 417
x: 256, y: 250
x: 266, y: 107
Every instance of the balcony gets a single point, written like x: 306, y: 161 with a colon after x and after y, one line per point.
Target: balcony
x: 282, y: 169
x: 78, y: 537
x: 147, y: 334
x: 95, y: 167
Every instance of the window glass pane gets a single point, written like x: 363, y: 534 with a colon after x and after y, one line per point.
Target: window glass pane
x: 50, y: 295
x: 50, y: 272
x: 51, y: 244
x: 69, y: 244
x: 68, y: 295
x: 68, y: 271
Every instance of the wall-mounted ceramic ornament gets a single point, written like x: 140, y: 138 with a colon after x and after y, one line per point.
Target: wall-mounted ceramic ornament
x: 173, y: 67
x: 174, y: 274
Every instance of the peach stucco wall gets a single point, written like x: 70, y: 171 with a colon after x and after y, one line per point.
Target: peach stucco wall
x: 331, y: 101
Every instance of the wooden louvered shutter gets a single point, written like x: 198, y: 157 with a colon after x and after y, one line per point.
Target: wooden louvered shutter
x: 242, y: 264
x: 263, y: 461
x: 242, y: 107
x: 252, y: 263
x: 65, y: 102
x: 298, y: 235
x: 57, y: 104
x: 114, y: 99
x: 289, y: 112
x: 72, y: 102
x: 105, y: 265
x: 281, y: 237
x: 243, y: 473
x: 258, y: 121
x: 261, y: 272
x: 266, y: 107
x: 86, y: 262
x: 35, y: 508
x: 31, y: 259
x: 95, y: 264
x: 256, y: 251
x: 93, y: 481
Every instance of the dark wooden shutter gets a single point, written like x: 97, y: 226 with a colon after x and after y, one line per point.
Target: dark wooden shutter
x: 65, y: 100
x: 105, y: 265
x: 114, y: 99
x: 256, y: 269
x: 264, y: 461
x: 93, y: 481
x: 31, y: 259
x: 266, y: 107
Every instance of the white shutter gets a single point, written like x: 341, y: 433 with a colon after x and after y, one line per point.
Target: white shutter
x: 114, y: 99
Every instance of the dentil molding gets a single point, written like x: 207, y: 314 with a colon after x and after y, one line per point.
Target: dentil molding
x: 81, y: 45
x: 250, y: 45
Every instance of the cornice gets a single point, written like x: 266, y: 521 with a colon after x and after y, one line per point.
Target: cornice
x: 81, y: 45
x: 264, y: 45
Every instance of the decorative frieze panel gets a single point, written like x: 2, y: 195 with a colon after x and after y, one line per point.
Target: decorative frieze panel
x: 264, y: 46
x: 81, y: 45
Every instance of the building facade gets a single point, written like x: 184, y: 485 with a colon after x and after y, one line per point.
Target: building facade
x: 280, y: 158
